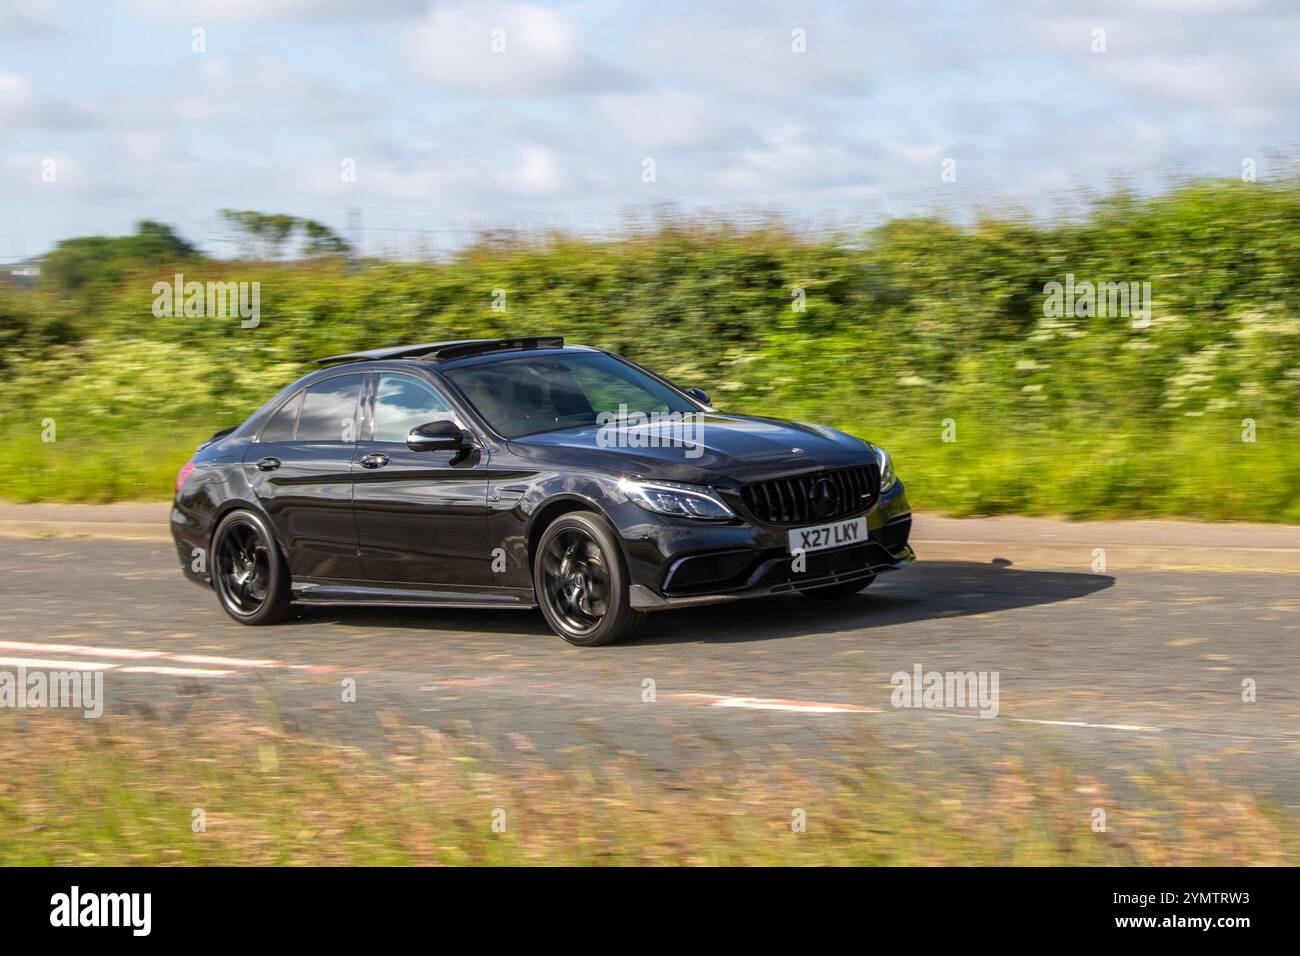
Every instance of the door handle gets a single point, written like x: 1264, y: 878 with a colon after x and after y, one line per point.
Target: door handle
x: 377, y: 460
x: 268, y: 463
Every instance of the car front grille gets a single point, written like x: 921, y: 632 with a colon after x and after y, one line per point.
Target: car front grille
x: 820, y: 496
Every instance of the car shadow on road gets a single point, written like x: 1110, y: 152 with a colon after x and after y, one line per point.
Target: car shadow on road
x: 472, y: 621
x: 926, y: 591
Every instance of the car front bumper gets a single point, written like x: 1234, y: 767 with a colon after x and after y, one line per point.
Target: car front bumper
x: 683, y: 563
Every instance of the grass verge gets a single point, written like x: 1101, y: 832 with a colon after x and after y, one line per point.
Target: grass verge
x: 1079, y: 473
x: 124, y: 791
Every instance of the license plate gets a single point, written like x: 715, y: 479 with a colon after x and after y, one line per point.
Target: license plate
x: 837, y: 534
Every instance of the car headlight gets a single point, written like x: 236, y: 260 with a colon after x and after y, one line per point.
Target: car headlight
x: 678, y: 500
x: 887, y: 477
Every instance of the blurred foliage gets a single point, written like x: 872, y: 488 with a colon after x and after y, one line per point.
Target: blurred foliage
x: 912, y: 324
x: 270, y: 234
x: 78, y: 268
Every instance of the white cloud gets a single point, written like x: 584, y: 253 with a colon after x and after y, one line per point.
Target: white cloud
x: 1233, y: 90
x: 536, y: 173
x: 1230, y: 64
x: 250, y: 91
x: 498, y: 48
x: 1182, y: 8
x: 381, y: 180
x: 22, y: 106
x: 750, y: 49
x: 29, y: 16
x: 147, y: 147
x: 445, y: 175
x: 557, y: 123
x: 18, y: 101
x: 27, y: 172
x: 203, y: 12
x: 665, y: 119
x: 1203, y: 79
x: 793, y: 163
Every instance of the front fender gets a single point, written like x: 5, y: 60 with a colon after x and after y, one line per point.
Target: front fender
x: 520, y: 508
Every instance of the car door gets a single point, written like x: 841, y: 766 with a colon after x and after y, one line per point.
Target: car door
x: 421, y: 516
x: 301, y: 471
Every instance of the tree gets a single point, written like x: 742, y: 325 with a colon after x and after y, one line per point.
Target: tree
x: 268, y: 234
x: 76, y: 266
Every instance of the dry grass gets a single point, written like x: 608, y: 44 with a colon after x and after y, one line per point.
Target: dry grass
x: 122, y: 791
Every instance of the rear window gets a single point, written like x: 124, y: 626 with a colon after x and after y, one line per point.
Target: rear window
x: 329, y: 410
x: 282, y: 424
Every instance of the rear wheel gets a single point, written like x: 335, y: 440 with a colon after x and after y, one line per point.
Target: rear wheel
x: 581, y: 583
x: 840, y: 590
x: 248, y: 572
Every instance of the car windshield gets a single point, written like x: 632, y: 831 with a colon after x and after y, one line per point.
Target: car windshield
x: 544, y: 393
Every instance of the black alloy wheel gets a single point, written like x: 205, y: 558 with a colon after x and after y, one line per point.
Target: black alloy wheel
x: 581, y: 583
x: 247, y: 571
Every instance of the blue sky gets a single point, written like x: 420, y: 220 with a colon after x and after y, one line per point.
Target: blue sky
x: 450, y: 136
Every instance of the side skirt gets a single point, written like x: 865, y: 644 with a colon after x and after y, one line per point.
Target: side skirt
x: 318, y: 595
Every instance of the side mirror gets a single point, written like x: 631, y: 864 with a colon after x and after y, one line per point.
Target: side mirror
x: 700, y: 395
x: 436, y: 436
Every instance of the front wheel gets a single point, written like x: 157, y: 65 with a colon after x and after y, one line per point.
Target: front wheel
x: 248, y: 573
x: 840, y: 590
x: 581, y: 583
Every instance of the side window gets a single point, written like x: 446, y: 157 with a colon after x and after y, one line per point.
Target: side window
x: 282, y: 423
x: 329, y: 410
x: 402, y: 403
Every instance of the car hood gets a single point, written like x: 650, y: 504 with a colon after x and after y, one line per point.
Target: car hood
x: 713, y: 449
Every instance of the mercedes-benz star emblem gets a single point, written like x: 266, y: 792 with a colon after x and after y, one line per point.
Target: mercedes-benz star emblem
x: 824, y: 498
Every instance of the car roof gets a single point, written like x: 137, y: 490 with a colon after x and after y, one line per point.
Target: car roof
x: 444, y: 351
x: 489, y: 358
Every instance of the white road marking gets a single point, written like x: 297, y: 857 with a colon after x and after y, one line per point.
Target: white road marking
x: 798, y: 707
x: 820, y: 707
x: 1137, y: 728
x: 123, y: 652
x: 221, y: 666
x: 768, y: 703
x: 227, y: 661
x: 38, y: 663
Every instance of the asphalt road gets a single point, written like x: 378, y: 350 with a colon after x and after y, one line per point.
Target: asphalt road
x: 1116, y: 673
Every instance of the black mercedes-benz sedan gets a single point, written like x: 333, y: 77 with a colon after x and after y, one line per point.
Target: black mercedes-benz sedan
x: 527, y: 473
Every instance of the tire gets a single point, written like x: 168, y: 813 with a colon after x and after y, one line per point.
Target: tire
x: 581, y: 581
x: 841, y: 590
x: 248, y: 572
